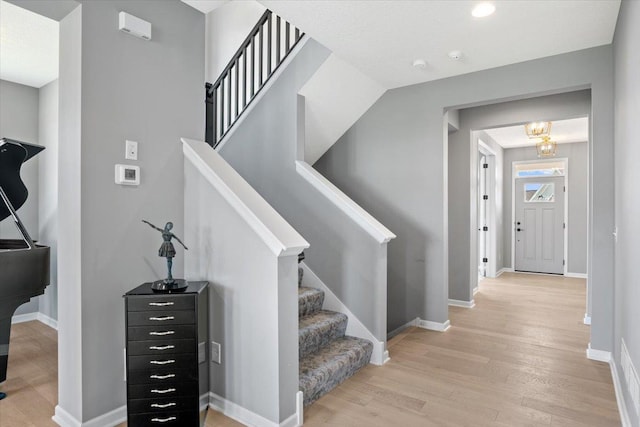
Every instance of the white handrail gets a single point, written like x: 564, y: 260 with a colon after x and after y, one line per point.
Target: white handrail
x: 278, y: 235
x: 378, y: 231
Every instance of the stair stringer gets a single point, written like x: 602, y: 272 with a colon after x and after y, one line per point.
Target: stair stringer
x: 355, y: 327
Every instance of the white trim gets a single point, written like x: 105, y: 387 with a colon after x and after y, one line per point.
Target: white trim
x: 490, y: 189
x: 463, y: 304
x: 599, y: 355
x: 111, y: 418
x: 274, y: 77
x: 476, y: 289
x: 617, y: 385
x: 299, y: 408
x: 277, y: 234
x: 50, y: 322
x: 249, y: 418
x: 433, y: 326
x: 504, y: 270
x: 361, y: 217
x: 27, y: 317
x: 399, y: 329
x: 587, y: 319
x: 576, y: 275
x: 355, y: 327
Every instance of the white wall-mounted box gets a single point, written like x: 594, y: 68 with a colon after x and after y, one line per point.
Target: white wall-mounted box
x: 134, y: 25
x: 127, y: 175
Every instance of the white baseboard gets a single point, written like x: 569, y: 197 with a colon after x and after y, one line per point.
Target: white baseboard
x: 28, y: 317
x: 576, y: 275
x: 433, y: 326
x: 476, y: 289
x: 249, y: 418
x: 504, y: 270
x: 587, y: 319
x: 617, y: 385
x: 598, y: 355
x: 110, y: 419
x: 399, y: 329
x: 464, y: 304
x: 355, y: 327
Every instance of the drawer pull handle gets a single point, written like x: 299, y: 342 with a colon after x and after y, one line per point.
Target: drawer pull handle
x: 163, y: 420
x: 162, y: 319
x: 160, y: 304
x: 164, y: 347
x: 162, y: 362
x: 169, y: 390
x: 162, y: 377
x: 162, y: 333
x: 166, y: 405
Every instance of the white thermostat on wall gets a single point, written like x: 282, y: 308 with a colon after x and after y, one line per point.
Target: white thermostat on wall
x: 127, y: 175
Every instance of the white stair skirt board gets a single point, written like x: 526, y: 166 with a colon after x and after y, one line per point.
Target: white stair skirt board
x: 599, y: 355
x: 587, y: 319
x: 433, y: 326
x: 576, y: 275
x: 355, y: 327
x: 27, y: 317
x: 617, y: 385
x: 249, y: 418
x: 112, y: 418
x: 463, y: 304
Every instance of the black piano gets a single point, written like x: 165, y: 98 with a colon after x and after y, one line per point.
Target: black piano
x: 24, y: 266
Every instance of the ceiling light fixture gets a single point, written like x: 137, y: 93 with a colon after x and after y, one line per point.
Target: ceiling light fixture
x: 456, y: 55
x: 546, y: 147
x: 420, y: 63
x: 483, y: 9
x: 537, y: 129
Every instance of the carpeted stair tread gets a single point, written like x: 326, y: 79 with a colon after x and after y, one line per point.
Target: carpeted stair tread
x: 322, y: 371
x: 319, y: 329
x: 310, y: 301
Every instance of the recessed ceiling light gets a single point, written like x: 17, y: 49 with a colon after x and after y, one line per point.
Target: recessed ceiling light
x: 483, y: 9
x: 420, y: 63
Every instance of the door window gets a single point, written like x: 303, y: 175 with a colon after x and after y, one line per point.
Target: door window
x: 539, y: 192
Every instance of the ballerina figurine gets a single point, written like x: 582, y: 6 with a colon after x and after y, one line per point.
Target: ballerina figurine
x: 167, y: 250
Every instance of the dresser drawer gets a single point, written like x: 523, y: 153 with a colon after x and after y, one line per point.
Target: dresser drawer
x: 161, y: 376
x: 162, y: 404
x: 161, y: 347
x: 181, y: 419
x: 161, y: 332
x: 160, y: 317
x: 162, y: 302
x: 147, y: 362
x: 169, y: 389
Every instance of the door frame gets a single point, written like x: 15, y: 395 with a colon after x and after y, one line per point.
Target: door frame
x: 565, y: 161
x: 490, y: 238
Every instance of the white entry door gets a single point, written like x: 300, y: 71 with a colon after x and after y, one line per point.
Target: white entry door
x: 539, y: 224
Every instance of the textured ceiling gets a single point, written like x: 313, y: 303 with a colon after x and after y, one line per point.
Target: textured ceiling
x: 28, y: 46
x: 562, y: 131
x: 383, y: 38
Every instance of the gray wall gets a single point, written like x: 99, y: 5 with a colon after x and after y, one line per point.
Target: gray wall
x: 147, y: 91
x: 48, y: 184
x: 627, y: 153
x: 263, y: 150
x: 19, y: 120
x: 393, y: 162
x: 577, y: 153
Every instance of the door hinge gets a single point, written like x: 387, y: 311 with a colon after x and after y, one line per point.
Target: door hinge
x: 485, y: 228
x: 562, y: 262
x: 485, y: 259
x: 485, y: 165
x: 485, y: 197
x: 564, y: 188
x: 564, y: 225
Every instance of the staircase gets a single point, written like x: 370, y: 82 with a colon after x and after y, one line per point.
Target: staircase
x: 327, y: 356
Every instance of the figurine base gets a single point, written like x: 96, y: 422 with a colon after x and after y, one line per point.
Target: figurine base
x: 176, y: 285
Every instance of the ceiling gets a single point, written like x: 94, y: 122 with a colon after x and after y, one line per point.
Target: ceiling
x: 205, y: 6
x: 382, y: 38
x: 562, y: 132
x: 28, y: 46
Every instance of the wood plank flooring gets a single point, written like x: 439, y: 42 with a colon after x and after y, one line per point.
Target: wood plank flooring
x: 516, y: 359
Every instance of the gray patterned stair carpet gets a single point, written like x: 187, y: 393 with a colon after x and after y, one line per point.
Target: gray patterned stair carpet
x: 327, y: 356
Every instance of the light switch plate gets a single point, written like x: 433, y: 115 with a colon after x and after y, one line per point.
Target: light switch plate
x: 131, y: 150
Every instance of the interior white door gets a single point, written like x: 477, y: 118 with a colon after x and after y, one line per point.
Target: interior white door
x: 539, y: 224
x: 482, y: 216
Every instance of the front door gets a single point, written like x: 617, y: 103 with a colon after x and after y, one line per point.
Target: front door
x: 539, y: 224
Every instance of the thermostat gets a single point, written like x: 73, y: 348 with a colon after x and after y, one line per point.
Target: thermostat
x: 127, y: 175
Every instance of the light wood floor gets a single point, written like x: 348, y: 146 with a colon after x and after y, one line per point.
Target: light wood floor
x: 516, y: 359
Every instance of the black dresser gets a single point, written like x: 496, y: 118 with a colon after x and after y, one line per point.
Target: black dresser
x: 167, y: 364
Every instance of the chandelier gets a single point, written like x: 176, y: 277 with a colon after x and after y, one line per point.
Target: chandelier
x: 545, y: 146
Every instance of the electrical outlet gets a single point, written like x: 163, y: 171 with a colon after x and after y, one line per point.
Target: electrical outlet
x: 131, y: 150
x: 216, y: 353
